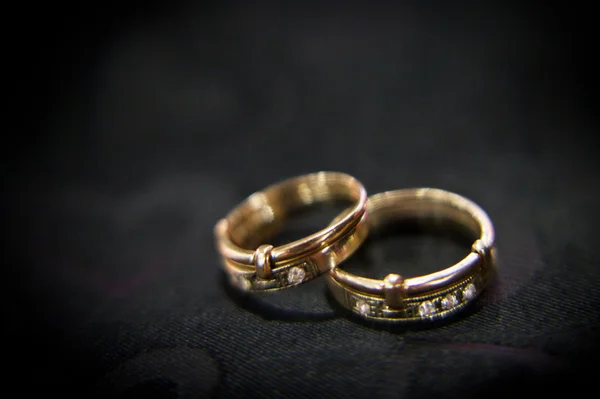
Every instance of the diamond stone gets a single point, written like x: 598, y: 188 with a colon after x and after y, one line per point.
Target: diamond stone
x: 469, y: 292
x: 426, y: 308
x: 449, y: 301
x: 296, y: 275
x: 363, y: 307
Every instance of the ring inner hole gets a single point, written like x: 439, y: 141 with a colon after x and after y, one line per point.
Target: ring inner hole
x: 411, y: 247
x: 293, y: 225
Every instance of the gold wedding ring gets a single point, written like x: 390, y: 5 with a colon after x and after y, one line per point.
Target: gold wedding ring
x: 432, y: 296
x: 254, y: 265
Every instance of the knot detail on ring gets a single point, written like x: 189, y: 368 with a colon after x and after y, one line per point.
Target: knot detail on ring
x: 394, y: 291
x: 262, y: 260
x: 482, y: 250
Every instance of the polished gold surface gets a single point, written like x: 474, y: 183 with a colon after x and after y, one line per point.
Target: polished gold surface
x: 431, y: 296
x: 255, y: 265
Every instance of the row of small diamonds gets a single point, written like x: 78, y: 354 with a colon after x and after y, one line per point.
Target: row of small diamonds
x: 451, y: 300
x: 426, y: 308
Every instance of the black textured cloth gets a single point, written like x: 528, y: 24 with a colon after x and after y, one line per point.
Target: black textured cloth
x: 156, y: 122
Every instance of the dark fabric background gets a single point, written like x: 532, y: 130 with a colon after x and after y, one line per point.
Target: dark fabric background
x: 140, y: 126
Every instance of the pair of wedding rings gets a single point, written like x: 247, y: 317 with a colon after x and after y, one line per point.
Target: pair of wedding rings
x: 393, y: 299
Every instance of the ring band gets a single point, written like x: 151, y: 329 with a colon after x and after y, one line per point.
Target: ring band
x: 433, y: 296
x: 260, y: 217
